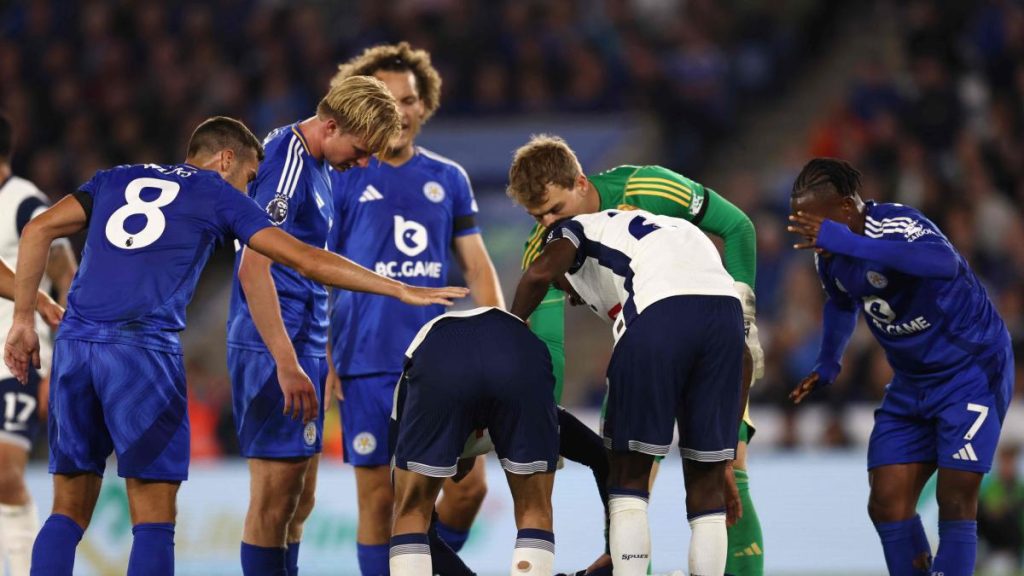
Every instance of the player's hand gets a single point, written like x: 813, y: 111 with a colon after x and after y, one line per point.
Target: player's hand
x: 808, y: 226
x: 805, y: 387
x: 733, y: 504
x: 51, y: 312
x: 21, y: 351
x: 332, y: 389
x: 418, y: 296
x: 299, y: 394
x: 756, y: 352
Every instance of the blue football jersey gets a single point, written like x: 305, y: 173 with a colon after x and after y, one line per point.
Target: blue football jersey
x: 930, y: 328
x: 295, y: 190
x: 399, y: 222
x: 151, y: 230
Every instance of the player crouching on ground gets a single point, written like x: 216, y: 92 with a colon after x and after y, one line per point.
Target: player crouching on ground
x: 677, y: 358
x: 504, y: 384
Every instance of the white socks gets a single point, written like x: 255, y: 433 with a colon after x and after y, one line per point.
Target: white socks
x: 18, y: 528
x: 629, y: 534
x: 409, y: 555
x: 534, y: 554
x: 709, y: 545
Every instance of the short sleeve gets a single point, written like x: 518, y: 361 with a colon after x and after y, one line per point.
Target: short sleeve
x: 571, y: 230
x: 92, y: 187
x: 464, y: 207
x: 30, y: 207
x: 280, y: 189
x: 239, y: 214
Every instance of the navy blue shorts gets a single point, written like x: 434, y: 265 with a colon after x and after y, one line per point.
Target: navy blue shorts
x: 264, y: 430
x: 20, y: 410
x: 955, y: 424
x: 486, y: 371
x: 116, y: 397
x: 680, y: 361
x: 366, y: 416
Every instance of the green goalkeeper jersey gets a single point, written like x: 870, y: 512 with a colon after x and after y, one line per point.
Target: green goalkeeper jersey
x: 660, y: 191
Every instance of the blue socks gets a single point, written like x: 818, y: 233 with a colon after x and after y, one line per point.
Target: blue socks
x: 455, y: 539
x: 152, y: 550
x: 54, y: 550
x: 902, y: 543
x: 292, y: 559
x: 260, y: 561
x: 958, y: 546
x: 373, y: 559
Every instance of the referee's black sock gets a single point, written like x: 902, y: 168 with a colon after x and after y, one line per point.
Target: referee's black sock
x: 579, y: 443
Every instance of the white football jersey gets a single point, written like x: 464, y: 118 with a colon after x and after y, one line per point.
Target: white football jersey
x: 628, y: 260
x: 20, y: 201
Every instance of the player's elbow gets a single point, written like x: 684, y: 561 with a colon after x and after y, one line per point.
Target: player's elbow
x: 538, y: 275
x: 309, y: 263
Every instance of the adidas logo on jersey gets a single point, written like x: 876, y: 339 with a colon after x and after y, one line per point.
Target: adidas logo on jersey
x: 966, y: 453
x: 752, y: 550
x: 370, y: 194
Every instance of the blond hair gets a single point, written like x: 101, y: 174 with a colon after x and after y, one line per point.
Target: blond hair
x: 399, y: 57
x: 363, y: 106
x: 544, y: 160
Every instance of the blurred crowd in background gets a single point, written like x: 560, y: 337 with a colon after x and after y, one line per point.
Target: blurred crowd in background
x: 936, y: 121
x: 95, y: 83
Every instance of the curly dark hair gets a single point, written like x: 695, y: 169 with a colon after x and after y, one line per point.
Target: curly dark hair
x: 399, y: 57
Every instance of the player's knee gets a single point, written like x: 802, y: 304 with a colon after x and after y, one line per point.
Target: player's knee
x: 12, y: 486
x: 274, y: 511
x: 304, y: 508
x: 887, y: 504
x: 957, y: 505
x: 378, y: 502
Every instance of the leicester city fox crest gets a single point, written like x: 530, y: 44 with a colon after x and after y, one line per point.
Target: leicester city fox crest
x: 877, y: 280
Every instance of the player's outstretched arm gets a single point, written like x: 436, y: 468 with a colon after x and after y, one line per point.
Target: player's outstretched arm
x: 340, y: 272
x: 928, y: 257
x: 556, y: 259
x: 64, y: 218
x: 837, y: 327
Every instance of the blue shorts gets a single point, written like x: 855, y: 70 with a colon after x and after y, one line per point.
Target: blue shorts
x: 116, y: 397
x: 486, y: 371
x: 264, y: 430
x: 954, y: 424
x: 365, y: 413
x: 680, y: 361
x: 20, y: 410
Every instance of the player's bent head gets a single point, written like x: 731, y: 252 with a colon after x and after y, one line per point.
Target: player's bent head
x: 825, y: 184
x: 399, y: 57
x: 6, y: 138
x: 829, y: 176
x: 222, y: 133
x: 362, y: 106
x: 544, y: 162
x: 228, y: 147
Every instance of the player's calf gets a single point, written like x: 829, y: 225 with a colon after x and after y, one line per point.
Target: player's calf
x: 415, y: 495
x: 705, y: 511
x: 460, y: 502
